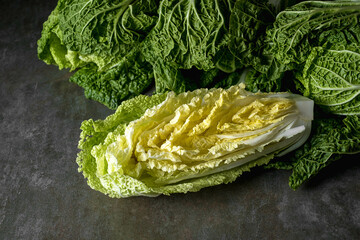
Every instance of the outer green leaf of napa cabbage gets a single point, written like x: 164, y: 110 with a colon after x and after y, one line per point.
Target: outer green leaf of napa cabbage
x: 131, y: 77
x: 270, y: 80
x: 189, y: 33
x: 210, y: 79
x: 225, y: 177
x: 331, y: 139
x: 297, y: 29
x: 104, y: 31
x: 331, y: 77
x: 51, y: 48
x: 48, y: 38
x: 248, y: 23
x: 168, y: 78
x: 120, y: 186
x: 226, y: 61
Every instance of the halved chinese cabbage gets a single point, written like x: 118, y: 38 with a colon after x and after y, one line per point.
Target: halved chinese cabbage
x: 172, y: 143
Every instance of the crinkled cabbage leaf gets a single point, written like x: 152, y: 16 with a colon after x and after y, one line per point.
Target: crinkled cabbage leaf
x: 303, y: 26
x: 101, y: 39
x: 119, y: 48
x: 129, y: 78
x: 95, y: 31
x: 331, y: 77
x: 51, y: 48
x: 175, y: 143
x: 189, y: 33
x: 247, y: 29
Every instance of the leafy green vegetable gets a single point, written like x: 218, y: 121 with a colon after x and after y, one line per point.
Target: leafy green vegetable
x: 331, y: 77
x: 120, y: 48
x: 94, y: 31
x: 51, y: 48
x: 129, y: 78
x: 249, y: 43
x: 168, y: 77
x: 270, y: 79
x: 95, y: 132
x: 104, y: 31
x: 101, y: 38
x: 189, y: 33
x: 163, y: 42
x: 300, y: 28
x: 248, y: 23
x: 178, y: 143
x: 207, y: 36
x: 332, y: 138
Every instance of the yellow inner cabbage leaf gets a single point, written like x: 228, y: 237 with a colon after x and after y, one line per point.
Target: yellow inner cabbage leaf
x: 195, y: 133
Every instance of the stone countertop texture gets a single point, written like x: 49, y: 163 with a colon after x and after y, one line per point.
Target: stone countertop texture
x: 42, y: 195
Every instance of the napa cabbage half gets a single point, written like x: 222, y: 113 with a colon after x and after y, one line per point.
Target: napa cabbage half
x: 171, y: 143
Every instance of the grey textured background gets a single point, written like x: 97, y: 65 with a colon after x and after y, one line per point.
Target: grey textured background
x: 44, y: 197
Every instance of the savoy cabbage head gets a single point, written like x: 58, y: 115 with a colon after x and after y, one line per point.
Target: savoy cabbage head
x: 121, y: 48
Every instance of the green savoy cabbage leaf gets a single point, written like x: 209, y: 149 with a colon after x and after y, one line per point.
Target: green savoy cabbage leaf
x: 269, y: 79
x: 299, y: 28
x: 95, y: 31
x: 51, y: 48
x: 189, y: 33
x: 218, y: 37
x: 331, y: 77
x: 248, y: 23
x: 170, y: 143
x: 104, y: 31
x: 101, y: 38
x: 129, y: 78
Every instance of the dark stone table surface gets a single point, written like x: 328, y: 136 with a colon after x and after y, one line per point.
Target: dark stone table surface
x: 44, y: 197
